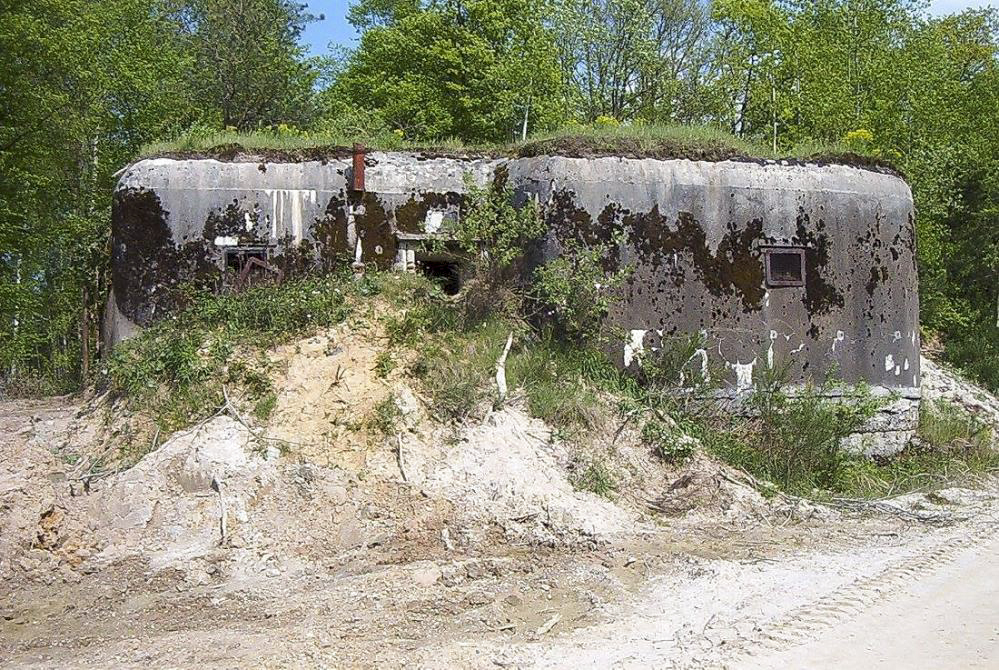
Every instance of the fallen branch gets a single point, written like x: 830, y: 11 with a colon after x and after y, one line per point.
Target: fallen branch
x: 501, y: 369
x: 223, y: 513
x: 398, y: 454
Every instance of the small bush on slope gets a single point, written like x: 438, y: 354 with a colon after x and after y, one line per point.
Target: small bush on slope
x: 174, y: 372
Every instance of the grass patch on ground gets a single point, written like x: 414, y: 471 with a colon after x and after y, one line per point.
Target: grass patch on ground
x: 595, y: 477
x: 630, y: 141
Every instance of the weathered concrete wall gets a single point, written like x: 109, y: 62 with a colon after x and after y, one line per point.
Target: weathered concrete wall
x: 695, y: 234
x: 173, y: 219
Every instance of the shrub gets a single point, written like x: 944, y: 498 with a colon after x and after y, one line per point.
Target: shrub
x: 670, y: 445
x: 799, y: 436
x: 577, y: 290
x: 493, y: 230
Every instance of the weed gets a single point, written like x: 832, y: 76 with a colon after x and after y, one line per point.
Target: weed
x: 596, y: 478
x: 385, y: 416
x: 265, y: 406
x: 562, y: 382
x: 384, y: 364
x: 945, y: 426
x: 606, y: 137
x: 671, y: 447
x: 798, y: 436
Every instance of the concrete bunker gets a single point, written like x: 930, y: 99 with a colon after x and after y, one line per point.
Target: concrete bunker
x: 807, y: 265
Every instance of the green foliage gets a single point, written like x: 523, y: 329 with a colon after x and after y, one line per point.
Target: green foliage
x: 384, y: 364
x: 384, y: 418
x: 563, y: 382
x: 666, y: 442
x: 946, y: 427
x: 789, y: 437
x: 473, y: 70
x: 596, y: 478
x: 798, y: 437
x: 493, y: 230
x: 915, y: 469
x: 577, y: 289
x: 175, y: 371
x: 248, y: 61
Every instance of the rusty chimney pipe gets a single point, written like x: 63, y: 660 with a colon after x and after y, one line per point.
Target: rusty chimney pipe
x: 358, y: 165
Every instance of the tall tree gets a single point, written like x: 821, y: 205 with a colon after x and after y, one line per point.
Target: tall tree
x: 249, y: 64
x: 84, y: 84
x: 479, y: 70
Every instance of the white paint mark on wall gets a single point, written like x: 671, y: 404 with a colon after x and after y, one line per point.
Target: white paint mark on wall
x: 896, y: 336
x: 432, y: 223
x: 743, y: 375
x: 703, y: 353
x: 889, y: 362
x: 770, y: 349
x: 634, y: 346
x: 288, y: 207
x: 225, y: 241
x: 840, y: 336
x: 358, y: 252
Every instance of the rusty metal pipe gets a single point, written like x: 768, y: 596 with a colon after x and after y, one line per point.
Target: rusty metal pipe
x: 358, y: 167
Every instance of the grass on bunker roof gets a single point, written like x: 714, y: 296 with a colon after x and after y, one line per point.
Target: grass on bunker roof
x: 663, y: 142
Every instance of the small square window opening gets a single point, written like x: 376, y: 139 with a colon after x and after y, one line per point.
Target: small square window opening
x: 785, y: 266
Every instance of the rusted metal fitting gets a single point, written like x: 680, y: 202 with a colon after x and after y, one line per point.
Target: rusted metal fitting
x: 357, y: 182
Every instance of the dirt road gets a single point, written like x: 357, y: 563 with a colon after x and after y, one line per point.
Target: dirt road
x: 947, y: 619
x: 916, y: 599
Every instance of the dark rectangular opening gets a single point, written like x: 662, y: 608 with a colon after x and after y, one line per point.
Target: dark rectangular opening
x: 785, y: 266
x: 236, y: 258
x: 446, y: 274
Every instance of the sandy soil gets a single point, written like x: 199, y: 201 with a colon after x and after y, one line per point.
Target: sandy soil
x: 467, y: 549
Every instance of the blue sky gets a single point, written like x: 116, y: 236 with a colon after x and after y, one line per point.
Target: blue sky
x: 334, y: 28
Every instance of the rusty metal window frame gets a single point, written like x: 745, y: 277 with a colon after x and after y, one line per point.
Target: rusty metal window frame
x: 243, y: 252
x: 769, y: 252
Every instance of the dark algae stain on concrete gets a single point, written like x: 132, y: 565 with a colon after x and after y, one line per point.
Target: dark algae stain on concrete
x: 411, y: 216
x: 735, y: 268
x: 330, y: 232
x: 821, y: 294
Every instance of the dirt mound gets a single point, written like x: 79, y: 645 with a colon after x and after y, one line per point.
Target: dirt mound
x: 509, y: 470
x: 942, y: 383
x: 349, y: 469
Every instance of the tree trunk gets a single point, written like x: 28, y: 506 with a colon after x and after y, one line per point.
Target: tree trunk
x: 85, y: 340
